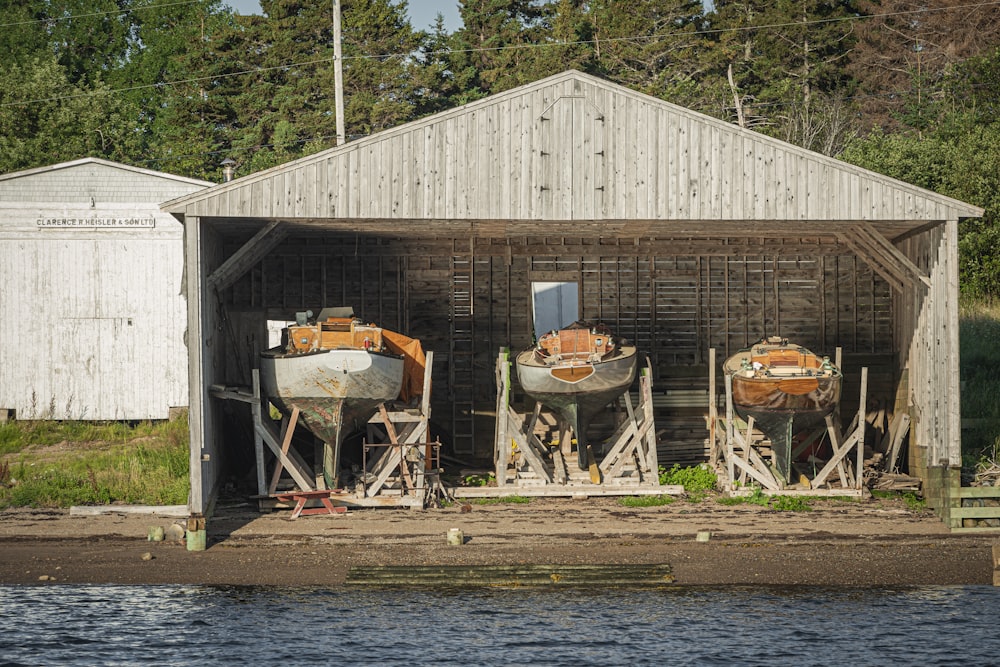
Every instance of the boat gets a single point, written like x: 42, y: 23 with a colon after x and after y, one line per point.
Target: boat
x: 336, y: 370
x: 576, y: 372
x: 786, y: 389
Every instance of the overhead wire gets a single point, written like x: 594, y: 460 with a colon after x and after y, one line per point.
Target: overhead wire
x: 440, y: 52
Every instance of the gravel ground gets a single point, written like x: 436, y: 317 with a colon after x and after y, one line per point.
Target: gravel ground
x: 838, y: 543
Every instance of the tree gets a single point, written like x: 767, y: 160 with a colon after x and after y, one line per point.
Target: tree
x: 960, y: 159
x: 786, y: 63
x: 496, y: 47
x: 287, y: 108
x: 44, y: 118
x: 654, y: 46
x: 905, y: 51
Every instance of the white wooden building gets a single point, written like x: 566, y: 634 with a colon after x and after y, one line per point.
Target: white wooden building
x: 92, y: 303
x: 682, y: 232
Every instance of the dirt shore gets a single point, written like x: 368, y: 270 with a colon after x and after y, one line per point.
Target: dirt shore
x: 838, y: 543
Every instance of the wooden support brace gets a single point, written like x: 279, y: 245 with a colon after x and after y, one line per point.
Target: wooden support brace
x: 290, y: 460
x: 287, y: 431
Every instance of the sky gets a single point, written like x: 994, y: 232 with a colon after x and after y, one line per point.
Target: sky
x: 422, y: 12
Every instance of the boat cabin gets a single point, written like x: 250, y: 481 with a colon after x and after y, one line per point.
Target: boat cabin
x: 575, y: 345
x: 334, y: 333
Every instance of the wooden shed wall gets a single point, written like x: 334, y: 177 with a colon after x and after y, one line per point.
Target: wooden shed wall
x: 571, y: 147
x: 92, y: 320
x: 85, y: 180
x: 674, y: 307
x: 927, y: 329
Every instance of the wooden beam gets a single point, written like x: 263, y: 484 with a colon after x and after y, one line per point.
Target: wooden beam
x: 247, y: 256
x: 883, y: 256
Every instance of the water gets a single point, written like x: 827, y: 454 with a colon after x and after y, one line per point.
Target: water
x: 184, y: 625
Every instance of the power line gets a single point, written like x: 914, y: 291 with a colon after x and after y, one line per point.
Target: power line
x: 71, y: 17
x: 384, y: 56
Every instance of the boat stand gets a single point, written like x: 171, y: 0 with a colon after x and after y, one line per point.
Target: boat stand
x: 525, y: 466
x: 743, y: 460
x: 307, y: 483
x: 398, y: 458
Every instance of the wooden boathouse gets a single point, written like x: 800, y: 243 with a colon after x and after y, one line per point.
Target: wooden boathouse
x: 681, y: 232
x: 92, y: 311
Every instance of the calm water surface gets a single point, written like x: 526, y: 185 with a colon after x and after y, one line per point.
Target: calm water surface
x: 183, y: 625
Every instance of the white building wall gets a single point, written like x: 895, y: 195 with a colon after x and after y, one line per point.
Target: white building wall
x: 92, y: 316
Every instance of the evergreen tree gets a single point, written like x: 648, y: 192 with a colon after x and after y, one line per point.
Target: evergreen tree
x: 652, y: 46
x: 781, y: 68
x: 906, y: 50
x: 496, y: 47
x: 288, y: 107
x: 44, y: 118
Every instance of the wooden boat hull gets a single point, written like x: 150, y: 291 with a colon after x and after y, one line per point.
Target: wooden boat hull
x: 336, y: 392
x: 577, y: 392
x: 783, y: 400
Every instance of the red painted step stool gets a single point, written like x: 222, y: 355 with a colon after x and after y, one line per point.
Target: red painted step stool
x: 302, y: 497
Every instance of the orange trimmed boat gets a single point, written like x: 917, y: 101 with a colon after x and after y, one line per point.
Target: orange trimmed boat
x: 576, y: 372
x: 786, y: 389
x: 337, y: 370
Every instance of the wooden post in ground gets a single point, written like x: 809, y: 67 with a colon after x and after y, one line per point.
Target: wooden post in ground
x: 257, y: 406
x: 502, y: 453
x: 729, y: 428
x: 996, y: 564
x: 713, y: 411
x: 859, y: 469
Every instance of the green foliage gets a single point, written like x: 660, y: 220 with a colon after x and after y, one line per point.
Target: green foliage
x: 790, y: 504
x: 758, y: 497
x: 645, y: 501
x: 694, y: 479
x: 58, y: 464
x: 479, y: 480
x: 979, y: 344
x: 777, y: 503
x: 959, y: 159
x: 913, y: 502
x: 502, y: 500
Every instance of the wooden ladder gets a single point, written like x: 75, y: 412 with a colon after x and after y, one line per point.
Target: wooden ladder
x: 461, y: 371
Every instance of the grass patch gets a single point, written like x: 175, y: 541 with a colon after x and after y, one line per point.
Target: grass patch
x: 502, y: 500
x: 479, y: 480
x: 777, y: 503
x: 645, y: 501
x: 979, y: 353
x: 790, y: 504
x: 913, y: 502
x: 696, y: 480
x: 58, y: 464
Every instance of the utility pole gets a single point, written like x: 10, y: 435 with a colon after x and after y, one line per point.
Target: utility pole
x: 338, y: 75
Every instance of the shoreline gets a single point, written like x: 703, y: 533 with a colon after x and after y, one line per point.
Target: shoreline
x: 839, y: 543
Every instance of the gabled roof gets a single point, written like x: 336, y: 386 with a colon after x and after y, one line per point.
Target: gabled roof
x: 573, y: 148
x: 103, y: 180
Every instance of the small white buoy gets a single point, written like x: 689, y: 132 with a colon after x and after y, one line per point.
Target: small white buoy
x: 455, y: 536
x: 155, y: 534
x: 703, y: 536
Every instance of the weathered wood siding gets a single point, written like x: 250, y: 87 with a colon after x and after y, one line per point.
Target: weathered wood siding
x: 571, y: 147
x: 92, y: 320
x: 81, y: 181
x: 927, y: 328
